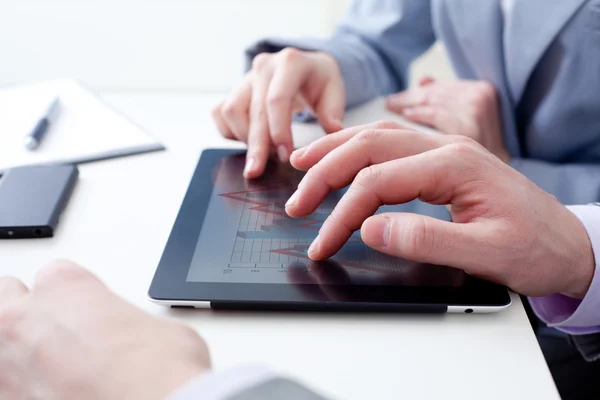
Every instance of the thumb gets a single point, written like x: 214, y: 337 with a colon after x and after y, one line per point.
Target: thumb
x: 330, y: 107
x: 424, y: 239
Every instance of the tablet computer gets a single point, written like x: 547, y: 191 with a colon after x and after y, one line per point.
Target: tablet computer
x: 233, y: 247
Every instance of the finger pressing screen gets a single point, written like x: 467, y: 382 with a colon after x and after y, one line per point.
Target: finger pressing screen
x: 330, y: 106
x: 393, y: 182
x: 289, y: 76
x: 259, y: 143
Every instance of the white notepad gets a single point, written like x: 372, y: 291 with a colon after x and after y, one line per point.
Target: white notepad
x: 86, y: 129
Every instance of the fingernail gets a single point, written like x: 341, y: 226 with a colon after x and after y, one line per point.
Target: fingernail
x: 300, y: 152
x: 314, y: 247
x: 385, y: 238
x: 250, y: 163
x: 283, y: 153
x: 380, y: 231
x: 292, y: 200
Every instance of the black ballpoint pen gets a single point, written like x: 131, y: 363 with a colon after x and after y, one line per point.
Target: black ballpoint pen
x: 34, y: 138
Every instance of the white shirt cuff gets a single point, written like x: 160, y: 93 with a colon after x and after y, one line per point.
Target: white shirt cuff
x: 221, y: 385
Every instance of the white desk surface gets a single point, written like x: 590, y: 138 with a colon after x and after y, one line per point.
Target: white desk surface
x: 118, y: 222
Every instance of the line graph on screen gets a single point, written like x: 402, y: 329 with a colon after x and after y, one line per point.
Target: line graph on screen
x: 266, y: 235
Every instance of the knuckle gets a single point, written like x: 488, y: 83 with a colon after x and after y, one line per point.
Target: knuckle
x: 369, y: 135
x: 8, y: 282
x: 470, y: 155
x: 461, y: 140
x: 459, y: 150
x: 260, y: 61
x: 61, y: 271
x: 387, y: 124
x: 487, y: 89
x: 366, y: 177
x: 275, y: 99
x: 216, y: 110
x: 231, y: 110
x: 462, y: 147
x: 485, y: 92
x: 315, y: 176
x: 290, y: 54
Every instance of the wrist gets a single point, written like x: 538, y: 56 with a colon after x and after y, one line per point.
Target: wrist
x: 582, y: 261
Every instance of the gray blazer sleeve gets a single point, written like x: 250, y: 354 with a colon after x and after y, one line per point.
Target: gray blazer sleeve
x: 570, y: 183
x: 278, y: 388
x: 374, y: 44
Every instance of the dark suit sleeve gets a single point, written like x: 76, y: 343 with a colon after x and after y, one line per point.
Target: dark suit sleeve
x: 588, y: 346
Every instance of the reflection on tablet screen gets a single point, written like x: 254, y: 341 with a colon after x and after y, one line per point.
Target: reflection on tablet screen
x: 247, y: 237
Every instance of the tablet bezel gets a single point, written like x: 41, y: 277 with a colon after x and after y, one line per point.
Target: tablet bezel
x: 170, y: 280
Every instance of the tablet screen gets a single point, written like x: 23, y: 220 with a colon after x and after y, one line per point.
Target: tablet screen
x: 246, y: 237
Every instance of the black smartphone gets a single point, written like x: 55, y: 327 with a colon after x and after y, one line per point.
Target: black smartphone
x: 32, y: 199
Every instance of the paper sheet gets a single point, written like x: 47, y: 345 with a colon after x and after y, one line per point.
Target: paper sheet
x: 86, y: 129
